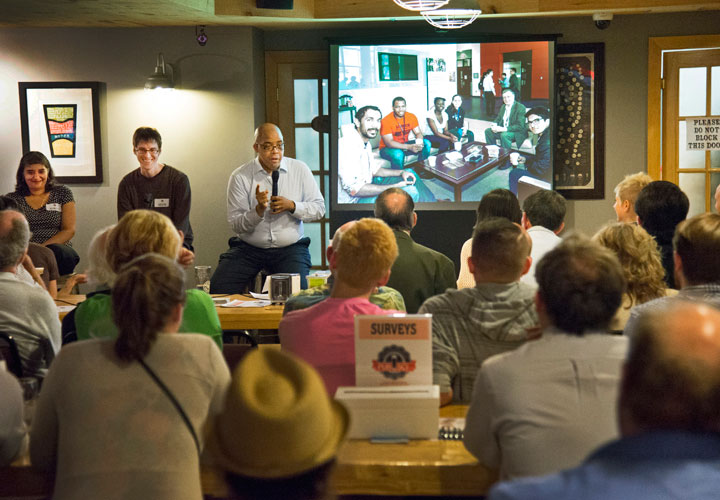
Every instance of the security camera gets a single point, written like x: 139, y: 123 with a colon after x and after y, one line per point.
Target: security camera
x: 602, y: 20
x: 200, y: 35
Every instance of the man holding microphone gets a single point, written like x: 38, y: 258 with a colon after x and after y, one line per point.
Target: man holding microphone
x: 268, y: 227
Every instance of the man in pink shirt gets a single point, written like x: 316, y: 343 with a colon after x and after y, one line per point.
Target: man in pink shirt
x: 324, y: 335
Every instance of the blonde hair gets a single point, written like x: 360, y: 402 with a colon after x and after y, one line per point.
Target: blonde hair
x: 364, y: 252
x: 140, y: 232
x: 629, y: 188
x: 639, y: 256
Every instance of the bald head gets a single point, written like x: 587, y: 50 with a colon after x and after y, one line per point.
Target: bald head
x: 269, y: 146
x: 14, y: 238
x: 672, y: 375
x: 267, y: 131
x: 396, y: 208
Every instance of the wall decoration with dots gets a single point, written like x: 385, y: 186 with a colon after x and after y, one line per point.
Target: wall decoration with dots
x: 579, y: 157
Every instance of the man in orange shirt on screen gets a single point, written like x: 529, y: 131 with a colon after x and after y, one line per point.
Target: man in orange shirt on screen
x: 395, y: 130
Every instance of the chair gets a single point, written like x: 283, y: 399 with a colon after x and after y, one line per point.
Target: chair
x: 10, y: 353
x: 233, y: 353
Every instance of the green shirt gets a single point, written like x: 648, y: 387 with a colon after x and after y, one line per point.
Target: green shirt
x: 93, y: 317
x: 385, y: 297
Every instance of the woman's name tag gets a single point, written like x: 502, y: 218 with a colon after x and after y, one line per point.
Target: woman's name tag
x: 53, y: 207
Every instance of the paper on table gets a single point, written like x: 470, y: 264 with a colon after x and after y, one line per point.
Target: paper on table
x: 453, y: 156
x: 65, y: 309
x: 247, y: 303
x: 262, y: 296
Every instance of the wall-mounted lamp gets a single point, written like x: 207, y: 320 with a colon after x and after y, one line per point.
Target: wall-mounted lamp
x: 163, y: 76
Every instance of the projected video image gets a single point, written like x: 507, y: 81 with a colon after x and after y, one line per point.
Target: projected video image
x: 445, y: 122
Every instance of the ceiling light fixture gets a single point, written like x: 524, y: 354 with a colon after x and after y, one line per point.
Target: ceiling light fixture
x: 420, y: 5
x: 451, y: 19
x: 163, y: 76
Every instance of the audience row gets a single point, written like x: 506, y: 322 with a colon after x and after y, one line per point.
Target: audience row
x: 534, y: 340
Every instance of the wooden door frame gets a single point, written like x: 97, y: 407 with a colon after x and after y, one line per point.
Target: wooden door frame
x: 272, y: 59
x: 656, y: 46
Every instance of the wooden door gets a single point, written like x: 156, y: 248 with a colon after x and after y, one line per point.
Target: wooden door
x: 692, y: 89
x: 296, y: 92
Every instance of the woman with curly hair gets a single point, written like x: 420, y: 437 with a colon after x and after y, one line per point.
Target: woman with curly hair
x: 640, y: 259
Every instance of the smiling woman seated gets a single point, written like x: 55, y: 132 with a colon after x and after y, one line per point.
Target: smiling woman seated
x: 49, y: 208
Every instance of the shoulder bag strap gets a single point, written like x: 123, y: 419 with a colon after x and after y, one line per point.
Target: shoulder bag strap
x: 173, y: 400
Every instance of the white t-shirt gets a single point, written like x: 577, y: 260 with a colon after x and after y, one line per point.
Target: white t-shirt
x: 440, y: 125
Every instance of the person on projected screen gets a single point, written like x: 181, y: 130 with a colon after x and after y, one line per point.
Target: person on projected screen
x: 436, y: 127
x: 509, y: 125
x: 395, y: 129
x: 360, y: 176
x: 456, y: 120
x: 537, y: 165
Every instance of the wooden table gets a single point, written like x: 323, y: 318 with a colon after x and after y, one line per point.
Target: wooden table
x: 231, y: 318
x: 467, y: 171
x: 420, y: 467
x: 249, y: 318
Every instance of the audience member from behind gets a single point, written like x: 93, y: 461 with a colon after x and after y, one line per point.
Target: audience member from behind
x: 419, y: 272
x: 472, y: 324
x: 626, y: 192
x: 140, y: 232
x: 640, y: 260
x: 324, y: 334
x: 100, y: 276
x: 543, y: 218
x: 382, y: 296
x: 697, y: 266
x: 27, y: 312
x: 27, y: 270
x: 496, y: 203
x: 660, y: 207
x: 12, y: 426
x: 123, y: 418
x: 48, y: 207
x: 99, y: 272
x: 279, y: 432
x: 544, y: 406
x: 669, y: 419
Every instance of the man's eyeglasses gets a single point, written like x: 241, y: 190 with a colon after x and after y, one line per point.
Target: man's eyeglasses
x: 143, y: 151
x: 272, y: 147
x: 536, y: 120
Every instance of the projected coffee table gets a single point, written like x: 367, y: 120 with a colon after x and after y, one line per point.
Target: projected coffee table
x: 457, y: 168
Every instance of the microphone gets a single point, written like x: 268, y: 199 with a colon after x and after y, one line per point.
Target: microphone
x: 148, y: 200
x: 275, y: 174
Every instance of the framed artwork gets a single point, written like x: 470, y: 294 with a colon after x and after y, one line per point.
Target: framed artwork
x: 579, y: 158
x: 62, y: 121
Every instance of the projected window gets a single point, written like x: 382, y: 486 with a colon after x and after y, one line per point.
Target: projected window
x: 397, y: 67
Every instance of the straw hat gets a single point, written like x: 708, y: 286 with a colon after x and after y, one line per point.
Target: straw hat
x: 278, y: 420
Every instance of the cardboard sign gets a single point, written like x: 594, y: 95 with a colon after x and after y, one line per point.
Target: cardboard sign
x: 393, y: 350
